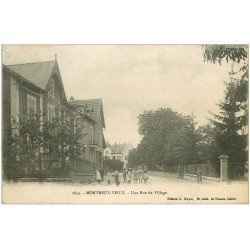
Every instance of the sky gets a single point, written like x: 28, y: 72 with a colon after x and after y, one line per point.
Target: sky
x: 132, y: 78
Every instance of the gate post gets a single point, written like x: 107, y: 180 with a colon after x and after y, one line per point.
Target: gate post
x: 223, y: 167
x: 180, y: 171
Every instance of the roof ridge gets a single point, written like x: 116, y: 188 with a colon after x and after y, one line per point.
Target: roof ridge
x: 28, y: 63
x: 121, y: 144
x: 86, y: 99
x: 37, y: 72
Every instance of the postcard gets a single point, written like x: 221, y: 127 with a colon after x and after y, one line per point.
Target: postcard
x: 125, y: 124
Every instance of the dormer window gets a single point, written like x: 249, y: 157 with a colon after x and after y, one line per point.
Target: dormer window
x: 88, y: 111
x: 51, y: 91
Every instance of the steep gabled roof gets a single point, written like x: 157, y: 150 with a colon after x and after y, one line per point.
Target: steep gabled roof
x: 118, y: 148
x: 80, y: 112
x: 38, y: 73
x: 96, y: 104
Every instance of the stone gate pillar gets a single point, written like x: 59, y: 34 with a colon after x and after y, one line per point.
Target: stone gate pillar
x: 223, y: 167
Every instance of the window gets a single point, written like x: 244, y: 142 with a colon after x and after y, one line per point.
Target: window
x: 51, y: 112
x: 51, y: 91
x: 85, y: 129
x: 61, y: 115
x: 31, y: 105
x: 65, y: 116
x: 92, y: 155
x: 91, y: 134
x: 119, y: 157
x: 99, y: 137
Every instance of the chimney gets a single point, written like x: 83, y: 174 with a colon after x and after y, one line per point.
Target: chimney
x: 71, y: 98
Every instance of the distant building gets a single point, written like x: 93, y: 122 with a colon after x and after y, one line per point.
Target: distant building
x: 93, y: 124
x: 118, y: 152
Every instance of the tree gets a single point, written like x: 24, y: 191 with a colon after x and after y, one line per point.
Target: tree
x: 208, y: 150
x: 169, y: 139
x: 29, y: 136
x: 227, y: 137
x: 238, y: 101
x: 23, y: 146
x: 134, y: 158
x: 62, y: 140
x: 112, y: 164
x: 216, y: 53
x: 235, y: 54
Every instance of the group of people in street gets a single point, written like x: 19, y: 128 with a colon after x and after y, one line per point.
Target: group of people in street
x: 136, y: 175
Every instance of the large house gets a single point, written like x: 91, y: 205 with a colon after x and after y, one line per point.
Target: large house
x: 38, y: 87
x: 93, y: 123
x: 118, y: 152
x: 31, y: 87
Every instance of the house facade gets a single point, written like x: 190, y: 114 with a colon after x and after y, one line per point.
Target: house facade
x: 33, y: 87
x: 93, y: 124
x: 118, y: 152
x: 38, y: 88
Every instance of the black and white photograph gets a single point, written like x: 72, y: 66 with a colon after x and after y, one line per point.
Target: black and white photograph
x: 125, y: 124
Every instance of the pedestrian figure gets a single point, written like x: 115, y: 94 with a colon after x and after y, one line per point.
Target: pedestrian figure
x: 136, y: 175
x: 117, y: 181
x: 199, y: 175
x: 98, y: 176
x: 124, y: 175
x: 145, y: 175
x: 109, y: 176
x: 140, y: 175
x: 102, y: 173
x: 130, y: 175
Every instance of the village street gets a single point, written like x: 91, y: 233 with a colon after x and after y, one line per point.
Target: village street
x: 161, y: 188
x: 155, y: 178
x: 74, y: 137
